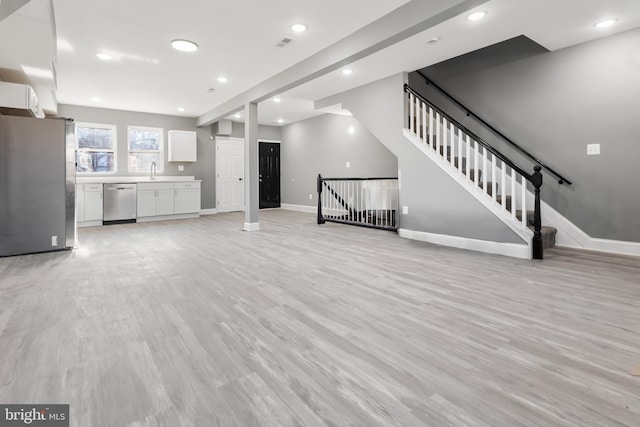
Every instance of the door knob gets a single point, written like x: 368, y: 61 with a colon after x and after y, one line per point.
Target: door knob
x: 239, y: 179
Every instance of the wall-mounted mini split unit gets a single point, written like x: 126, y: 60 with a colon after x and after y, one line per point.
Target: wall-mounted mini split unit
x: 285, y: 41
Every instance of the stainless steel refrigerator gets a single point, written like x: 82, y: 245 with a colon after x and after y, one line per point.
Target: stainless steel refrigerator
x: 37, y: 185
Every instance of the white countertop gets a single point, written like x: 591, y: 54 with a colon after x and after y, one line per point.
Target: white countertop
x: 128, y: 179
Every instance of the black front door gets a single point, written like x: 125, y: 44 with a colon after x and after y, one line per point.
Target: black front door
x: 269, y: 175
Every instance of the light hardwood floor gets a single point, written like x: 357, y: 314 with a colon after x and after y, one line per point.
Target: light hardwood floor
x: 196, y: 323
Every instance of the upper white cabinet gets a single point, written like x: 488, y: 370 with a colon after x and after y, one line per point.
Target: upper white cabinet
x: 182, y: 146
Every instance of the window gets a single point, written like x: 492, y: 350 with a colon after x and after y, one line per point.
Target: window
x: 145, y: 147
x: 95, y: 148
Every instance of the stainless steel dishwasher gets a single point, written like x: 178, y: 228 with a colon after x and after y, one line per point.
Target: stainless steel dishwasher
x: 119, y: 203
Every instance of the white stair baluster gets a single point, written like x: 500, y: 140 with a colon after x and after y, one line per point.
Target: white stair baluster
x: 411, y: 112
x: 452, y: 155
x: 424, y: 122
x: 513, y: 194
x: 476, y: 166
x: 437, y: 146
x: 430, y: 127
x: 418, y: 116
x: 460, y: 152
x: 503, y: 185
x: 468, y: 155
x: 445, y: 128
x: 484, y: 170
x: 493, y: 177
x: 524, y: 202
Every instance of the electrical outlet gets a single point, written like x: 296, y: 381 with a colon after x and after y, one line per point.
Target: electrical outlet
x: 180, y: 168
x: 310, y: 196
x: 593, y: 149
x: 54, y: 240
x: 348, y: 164
x: 405, y: 210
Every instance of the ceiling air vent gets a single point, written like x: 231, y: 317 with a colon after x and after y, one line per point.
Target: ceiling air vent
x: 285, y: 41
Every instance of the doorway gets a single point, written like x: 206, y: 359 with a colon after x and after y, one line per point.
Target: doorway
x: 269, y: 174
x: 229, y: 174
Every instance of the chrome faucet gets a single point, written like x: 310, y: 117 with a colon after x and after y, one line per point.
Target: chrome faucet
x: 153, y: 171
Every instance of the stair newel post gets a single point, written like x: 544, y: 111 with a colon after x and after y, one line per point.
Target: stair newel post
x: 320, y: 217
x: 536, y: 180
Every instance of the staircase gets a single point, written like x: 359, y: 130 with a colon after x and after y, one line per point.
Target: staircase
x: 502, y: 186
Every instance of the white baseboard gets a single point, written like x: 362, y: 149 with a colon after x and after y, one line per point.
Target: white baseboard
x: 208, y: 211
x: 167, y: 217
x: 89, y: 224
x: 299, y: 208
x: 571, y: 236
x: 507, y: 249
x: 251, y: 226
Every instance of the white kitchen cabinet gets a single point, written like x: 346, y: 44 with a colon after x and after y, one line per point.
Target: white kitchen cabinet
x: 146, y: 202
x: 155, y: 199
x: 89, y: 202
x: 187, y: 197
x: 182, y: 146
x: 165, y: 202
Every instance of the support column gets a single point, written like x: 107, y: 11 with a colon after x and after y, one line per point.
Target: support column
x: 251, y: 189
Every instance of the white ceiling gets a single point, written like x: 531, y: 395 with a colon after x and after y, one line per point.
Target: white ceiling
x: 238, y: 39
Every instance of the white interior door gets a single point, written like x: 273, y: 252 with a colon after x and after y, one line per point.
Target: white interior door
x: 229, y: 174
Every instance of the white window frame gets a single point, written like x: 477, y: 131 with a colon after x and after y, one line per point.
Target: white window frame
x: 161, y: 150
x: 114, y: 130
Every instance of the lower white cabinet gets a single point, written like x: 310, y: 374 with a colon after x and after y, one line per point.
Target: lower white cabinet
x: 155, y: 199
x: 187, y: 197
x: 89, y: 202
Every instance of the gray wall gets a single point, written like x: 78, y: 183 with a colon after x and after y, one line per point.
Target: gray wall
x: 437, y: 204
x: 323, y: 145
x: 556, y: 103
x: 203, y: 169
x: 273, y: 133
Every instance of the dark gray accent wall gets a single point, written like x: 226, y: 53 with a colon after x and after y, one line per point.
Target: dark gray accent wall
x: 437, y: 204
x: 323, y: 145
x: 556, y: 103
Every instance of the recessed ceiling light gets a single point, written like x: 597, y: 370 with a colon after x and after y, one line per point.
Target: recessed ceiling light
x: 347, y: 71
x: 181, y: 109
x: 351, y: 130
x: 223, y: 79
x: 184, y: 45
x: 237, y: 116
x: 280, y: 121
x: 95, y: 99
x: 104, y: 56
x: 476, y: 16
x: 606, y: 23
x: 298, y: 28
x: 276, y: 100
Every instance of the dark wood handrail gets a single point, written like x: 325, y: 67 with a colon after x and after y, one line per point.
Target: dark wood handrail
x: 358, y: 179
x: 561, y: 179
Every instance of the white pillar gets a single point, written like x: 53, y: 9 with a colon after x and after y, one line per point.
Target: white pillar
x: 252, y: 196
